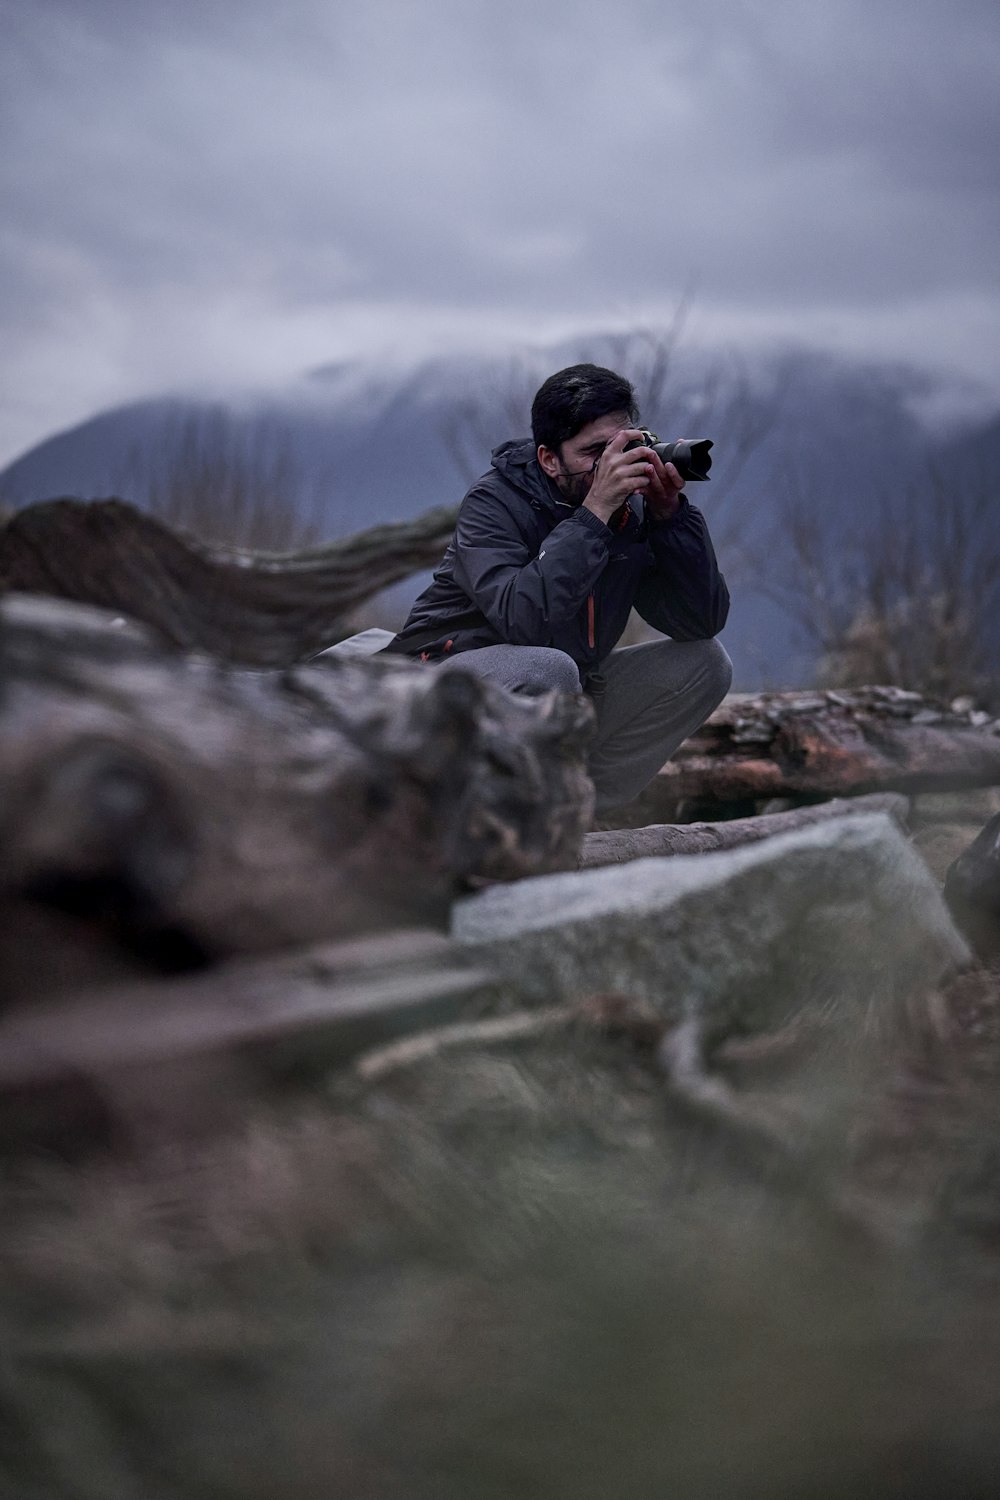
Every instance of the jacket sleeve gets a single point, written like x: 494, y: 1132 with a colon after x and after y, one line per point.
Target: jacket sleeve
x: 683, y: 593
x: 524, y: 591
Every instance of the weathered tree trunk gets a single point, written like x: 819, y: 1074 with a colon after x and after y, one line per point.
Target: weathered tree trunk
x: 255, y: 609
x: 160, y: 812
x: 816, y: 745
x: 618, y: 846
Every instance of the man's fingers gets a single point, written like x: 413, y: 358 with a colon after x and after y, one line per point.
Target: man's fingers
x: 626, y: 435
x: 667, y: 473
x: 643, y: 457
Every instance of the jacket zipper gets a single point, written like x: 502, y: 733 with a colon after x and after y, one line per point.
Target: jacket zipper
x: 591, y: 612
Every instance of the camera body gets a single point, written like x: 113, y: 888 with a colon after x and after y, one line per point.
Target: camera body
x: 690, y: 456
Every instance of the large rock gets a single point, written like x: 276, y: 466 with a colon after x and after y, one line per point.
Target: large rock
x: 842, y: 917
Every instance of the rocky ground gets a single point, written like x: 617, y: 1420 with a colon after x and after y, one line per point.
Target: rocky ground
x: 521, y: 1267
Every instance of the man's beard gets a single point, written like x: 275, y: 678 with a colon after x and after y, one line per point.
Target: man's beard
x: 574, y: 488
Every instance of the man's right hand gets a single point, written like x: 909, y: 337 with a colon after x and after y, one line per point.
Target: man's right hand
x: 619, y: 474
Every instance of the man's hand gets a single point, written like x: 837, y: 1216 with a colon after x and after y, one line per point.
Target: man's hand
x: 619, y: 474
x: 663, y: 493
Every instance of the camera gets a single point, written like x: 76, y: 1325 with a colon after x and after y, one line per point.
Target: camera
x: 690, y: 457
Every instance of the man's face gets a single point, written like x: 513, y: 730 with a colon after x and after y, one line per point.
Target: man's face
x: 571, y: 467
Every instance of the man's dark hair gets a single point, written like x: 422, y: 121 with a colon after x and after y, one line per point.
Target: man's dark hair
x: 571, y: 398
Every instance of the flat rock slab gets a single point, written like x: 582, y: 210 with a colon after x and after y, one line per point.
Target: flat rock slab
x: 841, y: 918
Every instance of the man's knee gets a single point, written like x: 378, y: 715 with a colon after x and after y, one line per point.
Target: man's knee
x: 701, y: 667
x: 540, y: 669
x: 717, y: 667
x: 519, y: 669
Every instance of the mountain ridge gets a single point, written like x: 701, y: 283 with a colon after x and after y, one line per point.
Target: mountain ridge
x: 796, y: 429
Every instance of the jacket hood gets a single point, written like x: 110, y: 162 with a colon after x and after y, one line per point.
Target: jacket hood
x: 516, y: 461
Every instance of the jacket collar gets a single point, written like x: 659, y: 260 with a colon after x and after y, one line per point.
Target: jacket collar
x: 517, y: 462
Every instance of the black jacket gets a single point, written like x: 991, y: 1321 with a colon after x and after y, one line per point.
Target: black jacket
x: 526, y: 568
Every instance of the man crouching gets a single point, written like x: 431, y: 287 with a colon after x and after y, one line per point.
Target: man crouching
x: 548, y: 558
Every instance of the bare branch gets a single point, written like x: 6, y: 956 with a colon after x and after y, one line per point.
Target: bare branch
x: 911, y: 599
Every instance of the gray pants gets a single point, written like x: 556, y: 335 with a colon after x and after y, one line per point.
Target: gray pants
x: 648, y: 698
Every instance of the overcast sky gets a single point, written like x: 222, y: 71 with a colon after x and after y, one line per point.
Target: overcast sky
x: 198, y: 192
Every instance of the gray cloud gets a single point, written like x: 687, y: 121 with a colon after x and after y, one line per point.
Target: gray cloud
x: 211, y: 191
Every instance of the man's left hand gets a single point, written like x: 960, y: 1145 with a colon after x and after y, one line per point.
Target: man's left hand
x: 662, y: 496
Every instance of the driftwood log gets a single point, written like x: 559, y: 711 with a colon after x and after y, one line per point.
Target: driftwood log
x: 808, y: 746
x: 188, y: 1052
x: 160, y: 812
x: 255, y: 609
